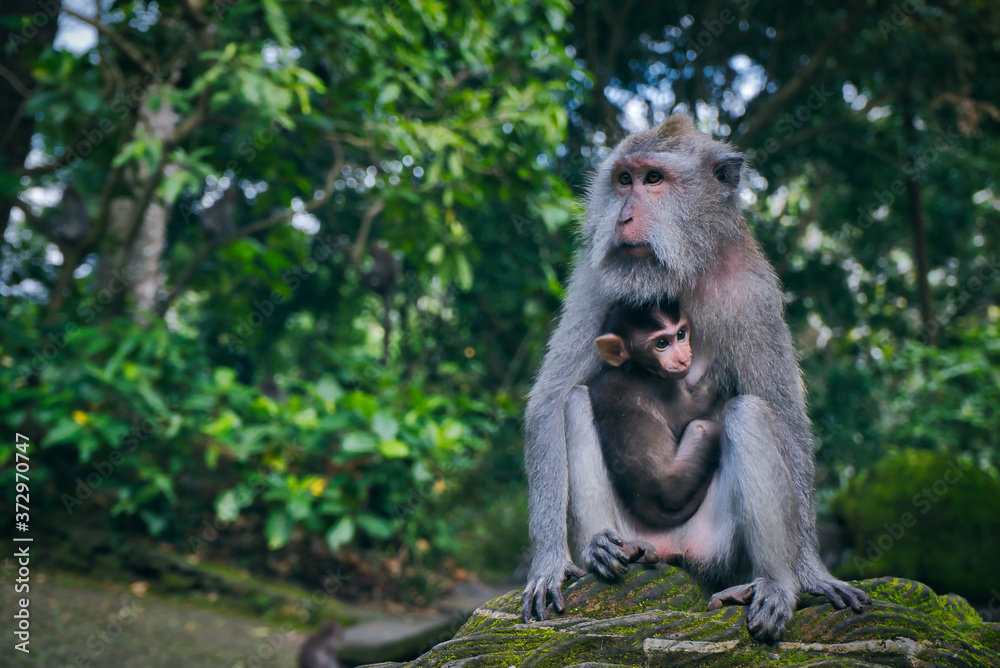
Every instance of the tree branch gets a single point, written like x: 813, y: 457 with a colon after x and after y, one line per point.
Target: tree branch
x: 265, y: 223
x: 769, y: 110
x: 374, y: 209
x: 130, y: 49
x: 14, y: 81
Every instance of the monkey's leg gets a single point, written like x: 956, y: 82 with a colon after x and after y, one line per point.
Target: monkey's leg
x: 594, y: 509
x: 762, y: 504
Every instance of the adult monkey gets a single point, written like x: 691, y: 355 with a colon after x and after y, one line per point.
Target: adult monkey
x: 663, y: 217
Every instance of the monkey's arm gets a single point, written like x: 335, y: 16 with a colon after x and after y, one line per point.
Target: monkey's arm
x: 570, y: 359
x: 686, y: 476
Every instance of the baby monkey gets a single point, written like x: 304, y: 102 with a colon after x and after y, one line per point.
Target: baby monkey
x: 660, y: 437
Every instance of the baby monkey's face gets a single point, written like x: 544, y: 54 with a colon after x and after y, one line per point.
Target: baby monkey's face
x: 665, y: 351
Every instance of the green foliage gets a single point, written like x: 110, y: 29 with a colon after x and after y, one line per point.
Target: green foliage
x: 926, y: 516
x: 283, y: 138
x: 144, y: 410
x: 915, y: 395
x: 259, y: 376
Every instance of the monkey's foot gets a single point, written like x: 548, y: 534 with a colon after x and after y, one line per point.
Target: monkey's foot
x: 544, y: 579
x: 771, y: 606
x: 841, y: 594
x: 609, y: 556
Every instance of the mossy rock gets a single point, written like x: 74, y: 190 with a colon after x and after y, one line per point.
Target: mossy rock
x: 658, y: 617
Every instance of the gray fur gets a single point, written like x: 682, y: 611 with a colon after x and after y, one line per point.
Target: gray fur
x: 760, y: 505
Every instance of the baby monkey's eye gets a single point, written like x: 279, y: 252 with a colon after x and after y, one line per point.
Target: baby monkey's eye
x: 653, y: 177
x: 625, y: 179
x: 662, y: 344
x: 681, y: 334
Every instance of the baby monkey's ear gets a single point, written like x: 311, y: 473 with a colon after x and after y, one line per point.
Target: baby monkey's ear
x: 612, y: 349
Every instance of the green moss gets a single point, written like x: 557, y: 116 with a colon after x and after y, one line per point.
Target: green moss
x: 608, y: 624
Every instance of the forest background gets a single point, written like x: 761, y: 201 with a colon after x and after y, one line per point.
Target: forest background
x: 275, y: 277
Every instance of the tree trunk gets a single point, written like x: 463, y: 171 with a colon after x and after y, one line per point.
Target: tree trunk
x: 920, y: 253
x: 16, y: 81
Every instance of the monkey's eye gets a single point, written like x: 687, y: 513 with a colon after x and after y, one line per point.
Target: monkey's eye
x: 682, y: 334
x: 653, y: 178
x: 625, y: 179
x: 662, y: 343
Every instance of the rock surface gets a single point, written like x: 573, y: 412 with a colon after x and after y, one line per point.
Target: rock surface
x: 658, y: 617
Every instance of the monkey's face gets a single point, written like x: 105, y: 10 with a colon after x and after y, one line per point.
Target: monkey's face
x: 661, y: 208
x: 667, y: 351
x: 657, y: 342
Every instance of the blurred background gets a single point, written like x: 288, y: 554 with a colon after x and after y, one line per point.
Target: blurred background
x: 275, y: 278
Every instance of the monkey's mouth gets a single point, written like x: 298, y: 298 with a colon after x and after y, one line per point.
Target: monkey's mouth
x: 675, y: 373
x: 636, y: 251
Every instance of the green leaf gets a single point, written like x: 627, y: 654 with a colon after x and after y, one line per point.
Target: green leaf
x: 227, y: 508
x: 463, y: 272
x: 435, y: 254
x: 224, y: 377
x: 389, y: 93
x: 116, y: 360
x: 385, y: 426
x: 174, y: 185
x: 277, y: 22
x: 340, y: 533
x: 65, y: 431
x: 225, y: 423
x: 358, y: 442
x: 154, y: 522
x: 278, y: 529
x: 329, y: 391
x: 375, y: 526
x: 306, y: 419
x: 393, y: 449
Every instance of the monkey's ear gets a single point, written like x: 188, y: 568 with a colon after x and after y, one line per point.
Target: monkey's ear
x: 612, y: 349
x: 727, y: 170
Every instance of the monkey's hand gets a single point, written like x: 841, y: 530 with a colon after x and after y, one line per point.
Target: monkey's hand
x: 546, y: 577
x: 771, y: 606
x: 841, y: 594
x: 609, y: 556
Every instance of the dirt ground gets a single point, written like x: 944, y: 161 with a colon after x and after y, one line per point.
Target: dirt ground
x: 89, y: 623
